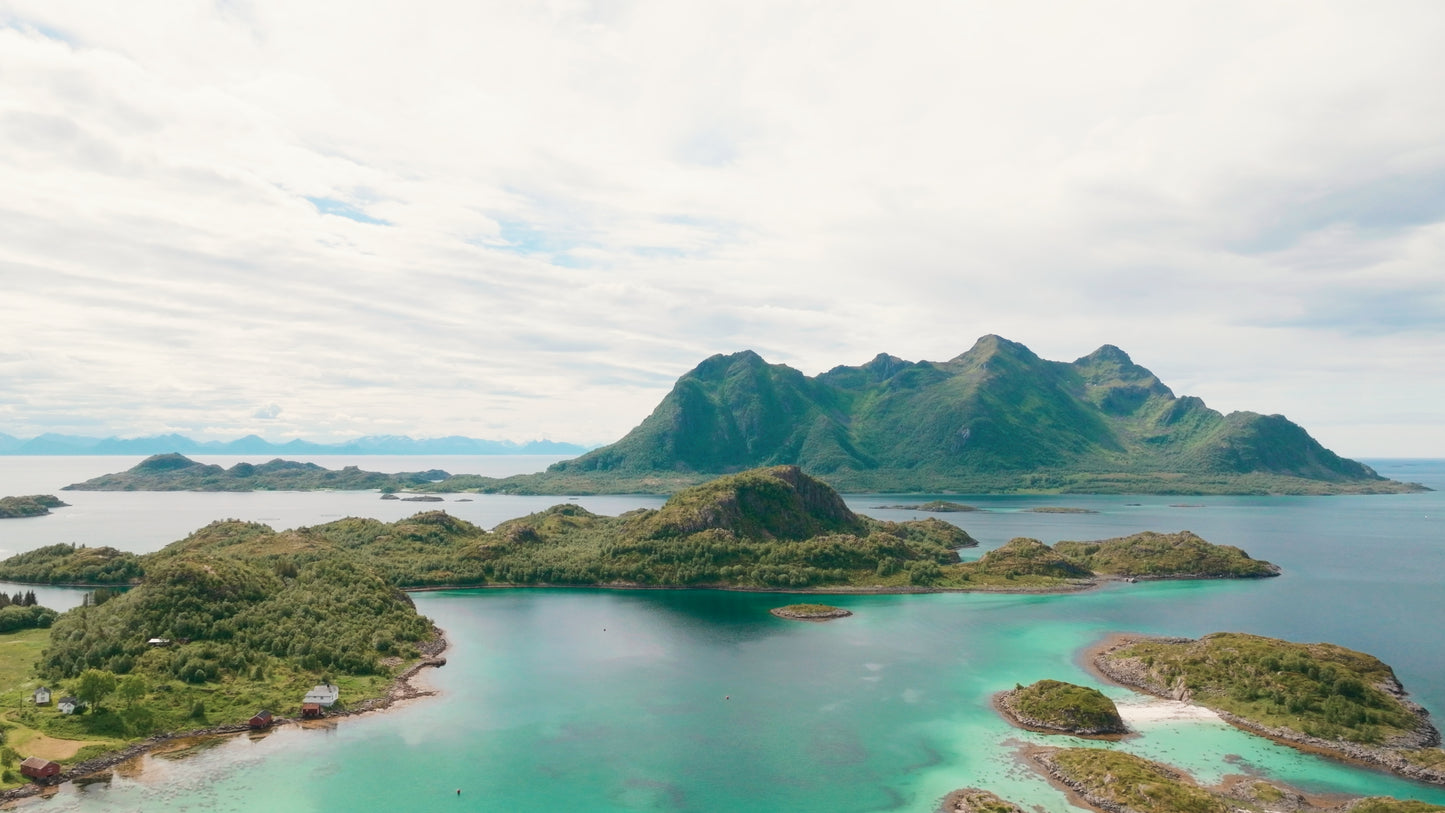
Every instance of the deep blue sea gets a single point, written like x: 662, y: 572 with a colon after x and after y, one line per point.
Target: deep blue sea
x: 598, y: 700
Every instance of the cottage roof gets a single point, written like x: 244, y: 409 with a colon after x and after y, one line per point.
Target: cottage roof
x: 325, y: 694
x: 35, y: 762
x: 68, y: 699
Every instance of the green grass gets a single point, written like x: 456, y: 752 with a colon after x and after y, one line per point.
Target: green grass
x: 1065, y: 706
x: 1133, y: 782
x: 1319, y: 690
x: 1151, y: 554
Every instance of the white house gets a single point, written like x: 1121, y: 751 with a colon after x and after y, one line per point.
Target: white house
x: 42, y: 696
x: 68, y: 705
x: 324, y: 695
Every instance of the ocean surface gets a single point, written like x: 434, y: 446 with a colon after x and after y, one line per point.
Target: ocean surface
x: 675, y: 700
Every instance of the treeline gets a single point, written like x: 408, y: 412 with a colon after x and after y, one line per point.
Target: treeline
x: 1151, y: 554
x: 71, y: 564
x: 228, y: 617
x: 25, y: 616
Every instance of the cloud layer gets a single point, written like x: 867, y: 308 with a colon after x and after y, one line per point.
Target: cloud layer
x: 522, y: 220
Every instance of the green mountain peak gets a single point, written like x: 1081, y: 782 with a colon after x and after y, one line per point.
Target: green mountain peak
x: 994, y: 418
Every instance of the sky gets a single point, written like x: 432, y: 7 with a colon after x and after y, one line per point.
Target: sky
x: 524, y: 220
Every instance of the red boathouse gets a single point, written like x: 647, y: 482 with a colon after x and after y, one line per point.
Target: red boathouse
x: 39, y: 769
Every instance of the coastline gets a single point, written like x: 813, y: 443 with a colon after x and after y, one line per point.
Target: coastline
x: 1095, y: 658
x: 404, y: 687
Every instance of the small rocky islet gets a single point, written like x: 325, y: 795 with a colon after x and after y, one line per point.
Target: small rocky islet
x: 810, y: 612
x: 1059, y: 707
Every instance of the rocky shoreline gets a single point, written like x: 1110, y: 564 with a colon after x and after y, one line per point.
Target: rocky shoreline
x: 401, y: 689
x: 1045, y: 762
x: 1132, y: 674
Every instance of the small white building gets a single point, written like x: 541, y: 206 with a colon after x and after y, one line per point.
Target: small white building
x: 42, y: 696
x: 68, y: 705
x: 324, y: 695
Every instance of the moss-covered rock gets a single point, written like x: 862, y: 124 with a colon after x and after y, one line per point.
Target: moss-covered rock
x: 810, y: 612
x: 1053, y: 705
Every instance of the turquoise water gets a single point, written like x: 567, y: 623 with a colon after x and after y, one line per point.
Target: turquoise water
x: 599, y: 700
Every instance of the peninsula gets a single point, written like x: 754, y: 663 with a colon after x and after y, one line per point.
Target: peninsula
x: 766, y: 529
x: 35, y: 505
x: 1123, y: 783
x: 1319, y: 697
x: 204, y: 642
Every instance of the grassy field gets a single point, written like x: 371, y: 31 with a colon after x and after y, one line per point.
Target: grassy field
x: 22, y: 723
x: 166, y: 706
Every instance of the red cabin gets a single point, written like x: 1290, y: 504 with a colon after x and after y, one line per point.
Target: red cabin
x: 39, y: 769
x: 310, y: 711
x: 262, y: 719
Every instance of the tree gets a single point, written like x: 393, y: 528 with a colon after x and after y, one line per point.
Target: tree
x: 131, y: 689
x: 94, y: 685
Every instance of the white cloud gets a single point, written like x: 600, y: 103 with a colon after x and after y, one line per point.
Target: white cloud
x: 576, y: 202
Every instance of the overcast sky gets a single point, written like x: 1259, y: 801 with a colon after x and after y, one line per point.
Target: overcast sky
x: 526, y: 219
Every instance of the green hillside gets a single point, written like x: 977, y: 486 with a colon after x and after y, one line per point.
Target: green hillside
x: 996, y: 418
x: 764, y: 528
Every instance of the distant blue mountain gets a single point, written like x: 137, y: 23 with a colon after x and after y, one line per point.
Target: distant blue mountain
x: 54, y: 444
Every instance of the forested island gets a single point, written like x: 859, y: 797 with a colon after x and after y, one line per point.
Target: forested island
x: 34, y: 505
x: 774, y: 528
x: 1317, y: 696
x: 176, y: 472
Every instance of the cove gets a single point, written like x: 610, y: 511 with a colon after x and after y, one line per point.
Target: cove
x: 695, y: 700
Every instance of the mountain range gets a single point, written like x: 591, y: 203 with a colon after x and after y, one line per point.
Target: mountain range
x: 54, y: 444
x: 996, y: 418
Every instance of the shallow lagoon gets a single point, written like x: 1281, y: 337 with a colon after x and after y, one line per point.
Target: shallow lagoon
x: 693, y: 700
